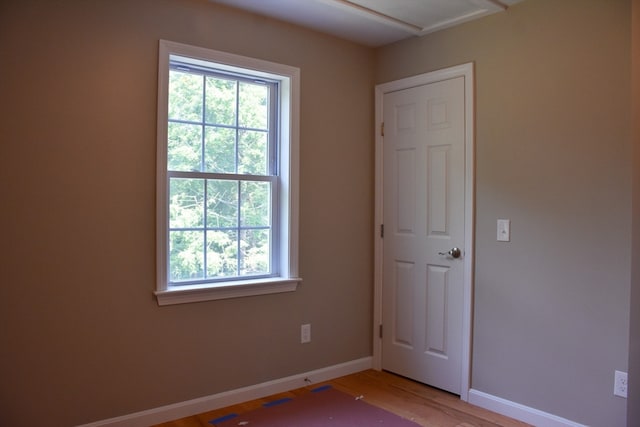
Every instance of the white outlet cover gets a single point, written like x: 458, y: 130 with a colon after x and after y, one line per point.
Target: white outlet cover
x: 620, y: 384
x: 305, y: 333
x: 504, y: 230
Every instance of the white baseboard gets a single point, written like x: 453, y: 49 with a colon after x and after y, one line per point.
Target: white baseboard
x: 519, y: 412
x: 232, y: 397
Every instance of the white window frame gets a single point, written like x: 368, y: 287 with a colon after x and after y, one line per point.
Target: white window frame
x: 288, y: 79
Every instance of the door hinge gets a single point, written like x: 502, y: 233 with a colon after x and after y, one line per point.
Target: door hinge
x: 381, y: 230
x: 380, y: 331
x: 382, y: 129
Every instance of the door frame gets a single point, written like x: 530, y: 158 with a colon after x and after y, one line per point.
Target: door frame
x: 466, y: 71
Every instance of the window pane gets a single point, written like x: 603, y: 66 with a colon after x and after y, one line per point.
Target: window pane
x: 220, y: 150
x: 185, y: 96
x: 222, y: 253
x: 186, y: 255
x: 222, y: 204
x: 221, y: 101
x: 255, y: 202
x: 252, y: 152
x: 184, y: 147
x: 186, y: 203
x: 253, y: 106
x: 221, y: 172
x: 254, y: 246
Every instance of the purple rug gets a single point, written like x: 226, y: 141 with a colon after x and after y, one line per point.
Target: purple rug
x: 324, y: 406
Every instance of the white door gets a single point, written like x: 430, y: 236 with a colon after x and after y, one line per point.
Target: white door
x: 424, y: 220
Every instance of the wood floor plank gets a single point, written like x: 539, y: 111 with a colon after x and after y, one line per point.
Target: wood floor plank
x: 424, y: 405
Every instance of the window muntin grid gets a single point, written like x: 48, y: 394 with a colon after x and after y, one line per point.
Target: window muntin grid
x: 222, y: 176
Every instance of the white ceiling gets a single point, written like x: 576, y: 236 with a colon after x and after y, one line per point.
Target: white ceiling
x: 373, y: 22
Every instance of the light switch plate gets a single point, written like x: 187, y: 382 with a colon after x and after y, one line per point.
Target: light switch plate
x: 504, y: 230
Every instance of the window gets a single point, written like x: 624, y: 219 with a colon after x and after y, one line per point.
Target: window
x: 226, y: 175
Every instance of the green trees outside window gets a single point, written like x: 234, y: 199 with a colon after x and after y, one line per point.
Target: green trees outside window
x: 221, y: 176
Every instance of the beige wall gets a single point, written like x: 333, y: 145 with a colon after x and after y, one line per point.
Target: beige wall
x: 81, y: 335
x: 633, y: 404
x: 553, y: 155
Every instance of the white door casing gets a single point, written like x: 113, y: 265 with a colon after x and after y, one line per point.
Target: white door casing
x: 424, y: 195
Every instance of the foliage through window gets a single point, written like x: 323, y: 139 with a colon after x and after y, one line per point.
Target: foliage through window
x: 222, y: 175
x: 226, y: 212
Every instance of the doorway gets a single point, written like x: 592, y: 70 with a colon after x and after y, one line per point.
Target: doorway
x: 424, y: 218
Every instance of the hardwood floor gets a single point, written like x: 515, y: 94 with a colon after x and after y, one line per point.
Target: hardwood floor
x: 424, y: 405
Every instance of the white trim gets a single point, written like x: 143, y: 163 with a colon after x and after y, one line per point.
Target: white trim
x: 466, y: 71
x: 469, y: 215
x: 288, y: 77
x: 484, y: 7
x: 519, y: 412
x: 232, y: 397
x: 196, y: 293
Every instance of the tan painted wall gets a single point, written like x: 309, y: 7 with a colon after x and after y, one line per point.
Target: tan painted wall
x: 81, y: 336
x: 633, y: 404
x: 553, y: 155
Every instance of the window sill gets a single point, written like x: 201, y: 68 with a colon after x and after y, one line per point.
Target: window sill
x: 197, y: 293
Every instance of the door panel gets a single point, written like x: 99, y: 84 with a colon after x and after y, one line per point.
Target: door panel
x: 436, y: 306
x: 404, y: 295
x: 423, y: 211
x: 406, y: 207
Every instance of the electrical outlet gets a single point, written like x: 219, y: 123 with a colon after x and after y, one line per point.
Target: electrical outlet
x: 305, y: 333
x: 504, y: 230
x: 620, y: 384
